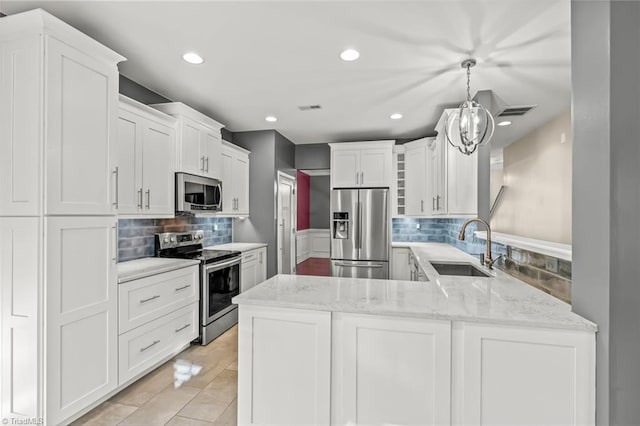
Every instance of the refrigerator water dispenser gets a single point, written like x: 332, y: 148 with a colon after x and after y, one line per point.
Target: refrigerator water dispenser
x: 341, y: 226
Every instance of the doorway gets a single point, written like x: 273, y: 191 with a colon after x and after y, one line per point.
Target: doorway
x: 286, y: 221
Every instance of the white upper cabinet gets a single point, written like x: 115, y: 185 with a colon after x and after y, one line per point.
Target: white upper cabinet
x: 58, y: 98
x: 461, y: 175
x: 437, y: 172
x: 146, y: 160
x: 198, y: 142
x: 235, y: 179
x: 417, y: 193
x: 362, y: 164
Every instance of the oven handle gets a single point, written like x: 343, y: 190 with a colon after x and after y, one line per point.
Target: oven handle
x: 218, y: 266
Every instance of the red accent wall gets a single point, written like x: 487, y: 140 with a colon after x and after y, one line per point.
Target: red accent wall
x: 303, y: 184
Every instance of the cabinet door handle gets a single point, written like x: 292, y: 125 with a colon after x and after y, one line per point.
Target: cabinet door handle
x: 115, y: 243
x: 148, y: 199
x: 155, y: 342
x: 202, y: 162
x: 117, y: 175
x: 149, y: 299
x: 357, y: 177
x: 260, y: 257
x: 422, y: 206
x: 183, y: 287
x: 207, y: 165
x: 361, y: 178
x: 438, y: 202
x: 433, y: 203
x: 140, y: 198
x: 178, y: 330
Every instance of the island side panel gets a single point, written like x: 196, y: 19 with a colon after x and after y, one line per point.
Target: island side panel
x: 521, y: 376
x: 284, y: 366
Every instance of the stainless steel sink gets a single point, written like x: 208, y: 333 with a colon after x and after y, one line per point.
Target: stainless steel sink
x: 462, y: 269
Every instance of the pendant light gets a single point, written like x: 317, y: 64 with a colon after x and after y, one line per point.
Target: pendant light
x: 471, y: 125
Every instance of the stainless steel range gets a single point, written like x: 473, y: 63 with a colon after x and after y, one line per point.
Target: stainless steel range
x: 219, y: 279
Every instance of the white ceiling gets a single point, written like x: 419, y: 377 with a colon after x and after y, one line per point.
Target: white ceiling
x: 266, y: 58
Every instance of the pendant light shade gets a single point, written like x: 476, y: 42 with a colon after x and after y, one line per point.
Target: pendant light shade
x: 471, y: 124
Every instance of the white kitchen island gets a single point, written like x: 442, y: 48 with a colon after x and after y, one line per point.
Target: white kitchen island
x: 454, y: 350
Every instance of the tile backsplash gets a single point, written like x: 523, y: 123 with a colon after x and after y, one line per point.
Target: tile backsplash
x: 136, y: 236
x: 547, y: 273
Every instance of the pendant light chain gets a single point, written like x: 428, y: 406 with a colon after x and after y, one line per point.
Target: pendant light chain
x: 468, y: 82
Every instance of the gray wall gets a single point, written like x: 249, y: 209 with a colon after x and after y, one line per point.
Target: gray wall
x: 285, y: 154
x: 313, y: 156
x: 146, y: 96
x: 260, y: 225
x: 606, y: 200
x: 319, y: 195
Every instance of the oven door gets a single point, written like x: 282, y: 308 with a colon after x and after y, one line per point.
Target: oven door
x: 220, y: 283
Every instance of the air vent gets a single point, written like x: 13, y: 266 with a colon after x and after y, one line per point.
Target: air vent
x: 516, y: 111
x: 309, y: 107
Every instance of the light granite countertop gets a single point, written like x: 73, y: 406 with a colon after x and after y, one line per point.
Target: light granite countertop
x: 500, y: 299
x: 242, y: 247
x: 145, y: 267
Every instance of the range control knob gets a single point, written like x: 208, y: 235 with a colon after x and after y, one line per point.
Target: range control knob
x: 173, y: 239
x: 166, y: 239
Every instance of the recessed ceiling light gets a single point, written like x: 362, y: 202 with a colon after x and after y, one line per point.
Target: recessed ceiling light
x: 271, y: 119
x: 395, y: 116
x: 504, y: 123
x: 350, y: 55
x: 193, y: 58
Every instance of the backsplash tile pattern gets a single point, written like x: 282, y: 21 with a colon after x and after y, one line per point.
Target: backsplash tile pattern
x: 547, y: 273
x: 136, y: 236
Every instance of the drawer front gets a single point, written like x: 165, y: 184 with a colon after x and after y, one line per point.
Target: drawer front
x: 248, y: 256
x: 144, y: 300
x: 146, y: 346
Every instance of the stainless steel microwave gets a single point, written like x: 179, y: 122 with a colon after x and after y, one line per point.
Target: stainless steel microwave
x: 197, y: 194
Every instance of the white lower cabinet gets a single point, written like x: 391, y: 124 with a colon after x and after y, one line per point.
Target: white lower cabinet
x: 397, y: 370
x: 149, y: 345
x: 390, y: 371
x: 158, y: 317
x: 523, y: 376
x: 401, y: 265
x: 81, y: 315
x: 253, y: 268
x: 284, y: 366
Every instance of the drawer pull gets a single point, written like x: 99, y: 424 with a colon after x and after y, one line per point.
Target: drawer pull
x: 178, y: 330
x: 149, y: 299
x: 183, y: 287
x: 250, y: 257
x: 155, y: 342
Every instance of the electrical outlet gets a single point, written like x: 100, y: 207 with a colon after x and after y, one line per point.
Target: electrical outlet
x: 551, y: 264
x: 215, y: 227
x: 563, y: 137
x: 417, y: 226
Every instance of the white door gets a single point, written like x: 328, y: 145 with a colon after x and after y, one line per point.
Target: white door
x: 439, y: 176
x: 158, y: 169
x: 82, y: 108
x: 129, y: 162
x: 462, y: 182
x: 375, y: 167
x: 389, y: 370
x: 213, y: 146
x: 345, y: 168
x: 284, y: 366
x: 228, y: 195
x: 249, y: 272
x: 415, y: 182
x: 192, y: 161
x: 240, y: 173
x: 21, y: 124
x: 286, y: 224
x: 82, y: 313
x: 19, y: 349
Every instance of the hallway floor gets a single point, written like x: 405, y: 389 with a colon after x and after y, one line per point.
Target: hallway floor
x: 210, y: 398
x: 314, y: 266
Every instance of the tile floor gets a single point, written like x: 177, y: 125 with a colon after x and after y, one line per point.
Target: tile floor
x: 207, y: 399
x: 314, y: 266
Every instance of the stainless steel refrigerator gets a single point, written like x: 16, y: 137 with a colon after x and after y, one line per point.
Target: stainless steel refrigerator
x: 360, y: 233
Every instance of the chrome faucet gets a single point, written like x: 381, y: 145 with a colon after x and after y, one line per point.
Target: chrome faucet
x: 487, y: 259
